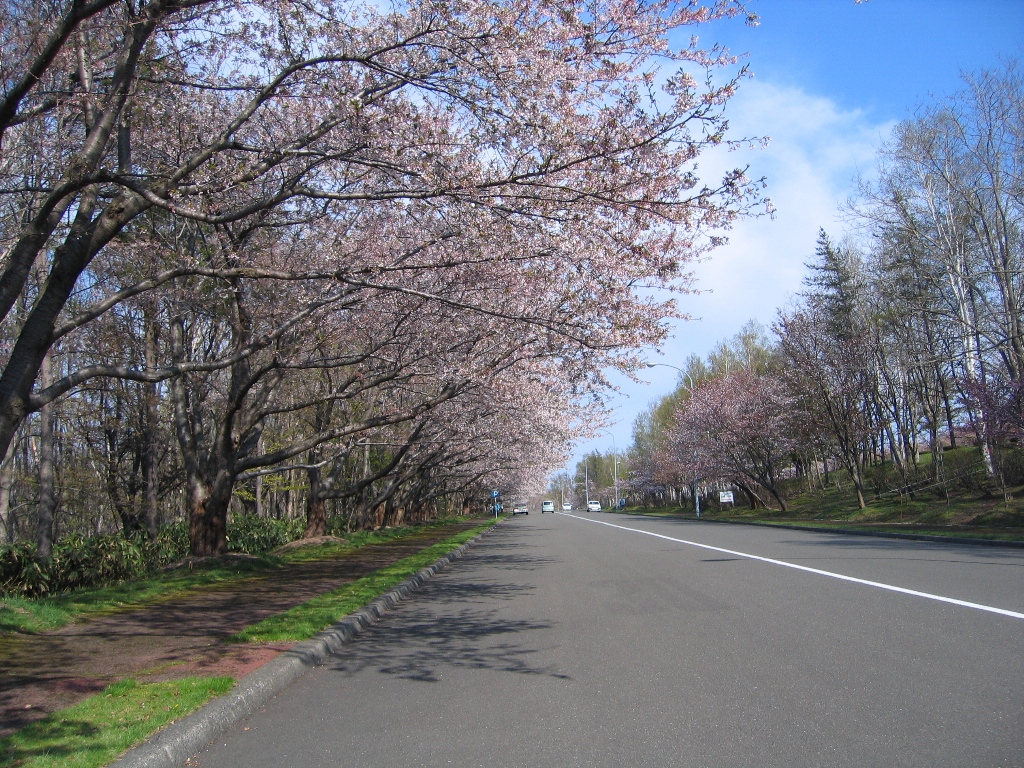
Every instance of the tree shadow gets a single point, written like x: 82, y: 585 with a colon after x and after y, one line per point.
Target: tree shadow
x: 451, y: 625
x: 419, y: 644
x: 52, y: 737
x: 501, y: 552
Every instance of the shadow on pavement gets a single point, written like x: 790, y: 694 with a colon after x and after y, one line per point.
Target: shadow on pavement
x: 418, y: 642
x: 421, y: 645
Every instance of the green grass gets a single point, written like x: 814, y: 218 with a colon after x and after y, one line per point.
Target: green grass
x: 95, y: 731
x: 304, y: 621
x: 968, y: 514
x: 39, y: 615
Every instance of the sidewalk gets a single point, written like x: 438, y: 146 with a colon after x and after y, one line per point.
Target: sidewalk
x: 175, y: 638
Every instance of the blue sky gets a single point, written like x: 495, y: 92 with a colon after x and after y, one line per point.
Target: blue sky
x: 831, y: 79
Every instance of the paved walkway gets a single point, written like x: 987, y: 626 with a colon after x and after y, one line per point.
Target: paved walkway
x: 175, y: 638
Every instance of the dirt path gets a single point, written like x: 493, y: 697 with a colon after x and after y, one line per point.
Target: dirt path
x: 175, y: 638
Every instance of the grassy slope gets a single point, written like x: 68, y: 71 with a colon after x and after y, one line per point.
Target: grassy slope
x: 967, y: 513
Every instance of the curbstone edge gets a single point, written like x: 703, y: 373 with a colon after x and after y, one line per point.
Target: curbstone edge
x: 172, y: 746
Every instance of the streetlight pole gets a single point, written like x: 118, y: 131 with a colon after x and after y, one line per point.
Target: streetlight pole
x: 586, y: 481
x: 684, y: 374
x: 615, y: 473
x: 615, y: 477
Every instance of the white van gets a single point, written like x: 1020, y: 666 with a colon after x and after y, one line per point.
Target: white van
x: 547, y: 506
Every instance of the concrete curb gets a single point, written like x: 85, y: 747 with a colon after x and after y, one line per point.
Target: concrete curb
x: 879, y: 534
x: 176, y: 743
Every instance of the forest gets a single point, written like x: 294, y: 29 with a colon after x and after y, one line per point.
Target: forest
x: 900, y: 364
x: 333, y: 263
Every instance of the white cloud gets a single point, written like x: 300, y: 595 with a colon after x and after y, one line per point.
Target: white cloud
x: 814, y: 153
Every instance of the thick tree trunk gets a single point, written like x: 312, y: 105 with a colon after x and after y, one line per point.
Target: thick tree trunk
x: 208, y: 518
x: 316, y: 507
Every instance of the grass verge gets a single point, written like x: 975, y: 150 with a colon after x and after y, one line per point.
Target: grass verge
x: 95, y: 731
x: 952, y: 532
x: 304, y: 621
x: 19, y: 614
x: 965, y: 516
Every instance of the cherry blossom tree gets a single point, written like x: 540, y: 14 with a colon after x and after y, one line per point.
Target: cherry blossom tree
x: 736, y: 428
x: 213, y: 112
x: 248, y: 196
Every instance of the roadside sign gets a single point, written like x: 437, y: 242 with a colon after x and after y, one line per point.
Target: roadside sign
x: 725, y: 497
x: 495, y: 494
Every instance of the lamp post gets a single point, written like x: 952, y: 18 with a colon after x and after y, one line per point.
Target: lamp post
x: 615, y: 473
x: 684, y: 374
x: 615, y: 478
x: 586, y: 481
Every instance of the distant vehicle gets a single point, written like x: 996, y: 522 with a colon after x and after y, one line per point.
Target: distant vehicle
x: 547, y: 506
x: 520, y: 510
x: 567, y: 507
x: 593, y: 506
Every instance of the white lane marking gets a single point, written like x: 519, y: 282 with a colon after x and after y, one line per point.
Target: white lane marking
x: 841, y: 577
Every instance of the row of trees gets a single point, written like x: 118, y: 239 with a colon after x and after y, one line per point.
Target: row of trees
x: 331, y: 257
x: 906, y: 339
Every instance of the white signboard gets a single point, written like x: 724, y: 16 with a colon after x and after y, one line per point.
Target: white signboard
x: 724, y: 497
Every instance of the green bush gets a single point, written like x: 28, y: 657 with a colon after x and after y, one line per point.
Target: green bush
x: 93, y: 561
x: 1011, y: 463
x: 256, y: 535
x: 76, y: 562
x: 882, y: 478
x: 964, y: 469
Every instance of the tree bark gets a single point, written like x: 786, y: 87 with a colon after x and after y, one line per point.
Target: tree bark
x: 47, y: 490
x: 150, y: 419
x: 6, y: 491
x: 208, y: 515
x: 316, y: 507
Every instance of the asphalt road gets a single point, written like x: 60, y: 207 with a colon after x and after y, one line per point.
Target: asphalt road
x: 558, y: 640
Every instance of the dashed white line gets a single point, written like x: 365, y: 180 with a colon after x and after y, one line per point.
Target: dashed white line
x: 841, y: 577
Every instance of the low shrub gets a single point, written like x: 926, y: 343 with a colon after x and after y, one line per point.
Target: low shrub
x: 1011, y: 464
x: 256, y: 535
x: 964, y: 469
x: 883, y: 478
x: 94, y: 561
